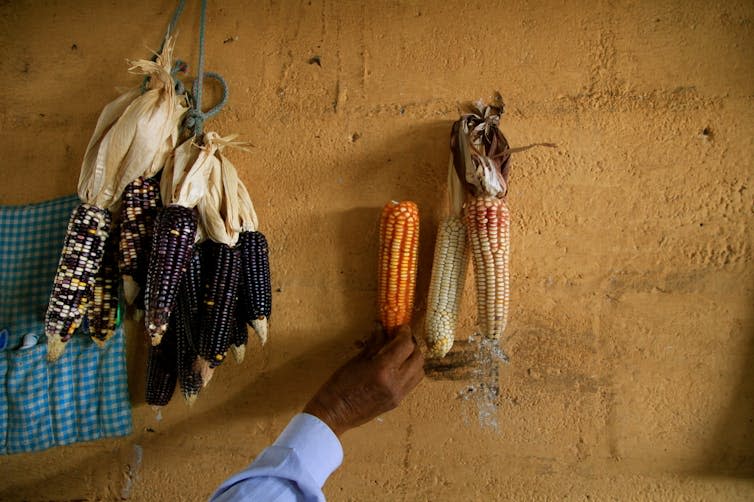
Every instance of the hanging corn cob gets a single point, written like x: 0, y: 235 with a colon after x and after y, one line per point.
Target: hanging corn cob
x: 256, y: 286
x: 482, y: 158
x: 186, y: 321
x: 183, y: 184
x: 448, y: 272
x: 141, y: 202
x: 79, y: 262
x: 240, y: 338
x: 219, y: 210
x: 219, y: 325
x: 398, y: 254
x: 102, y: 312
x: 133, y: 131
x: 162, y: 371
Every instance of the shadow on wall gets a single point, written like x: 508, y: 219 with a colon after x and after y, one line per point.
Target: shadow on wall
x: 277, y: 392
x: 734, y: 439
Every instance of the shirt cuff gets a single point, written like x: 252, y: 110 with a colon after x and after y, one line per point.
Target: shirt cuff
x: 315, y: 443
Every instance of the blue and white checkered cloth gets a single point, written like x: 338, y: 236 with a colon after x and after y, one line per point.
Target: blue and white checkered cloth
x: 84, y: 395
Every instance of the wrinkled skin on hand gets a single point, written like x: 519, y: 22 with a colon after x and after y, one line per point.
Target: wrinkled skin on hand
x: 370, y: 384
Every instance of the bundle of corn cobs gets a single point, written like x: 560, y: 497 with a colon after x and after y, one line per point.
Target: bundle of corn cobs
x: 479, y: 220
x: 176, y: 222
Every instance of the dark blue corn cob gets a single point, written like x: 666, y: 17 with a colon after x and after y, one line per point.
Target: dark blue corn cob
x: 221, y: 277
x: 187, y: 323
x: 102, y: 312
x: 255, y: 283
x: 172, y: 246
x: 79, y: 262
x: 162, y: 370
x: 241, y: 336
x: 141, y: 203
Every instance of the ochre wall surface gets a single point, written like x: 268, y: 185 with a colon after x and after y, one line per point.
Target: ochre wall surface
x: 631, y: 339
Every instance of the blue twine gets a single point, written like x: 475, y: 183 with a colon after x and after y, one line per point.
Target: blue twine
x: 195, y: 118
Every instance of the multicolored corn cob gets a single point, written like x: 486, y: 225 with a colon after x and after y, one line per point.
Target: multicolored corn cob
x: 79, y: 262
x: 399, y: 249
x: 256, y: 287
x: 162, y: 370
x: 186, y: 324
x: 102, y: 312
x: 171, y: 252
x: 482, y: 159
x: 488, y: 223
x: 446, y: 286
x: 141, y: 202
x: 219, y: 306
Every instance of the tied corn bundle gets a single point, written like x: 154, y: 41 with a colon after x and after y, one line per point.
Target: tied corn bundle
x: 448, y: 273
x: 255, y: 294
x: 482, y: 159
x: 219, y: 210
x: 186, y: 325
x: 102, y: 312
x: 134, y: 131
x: 183, y: 184
x: 398, y: 255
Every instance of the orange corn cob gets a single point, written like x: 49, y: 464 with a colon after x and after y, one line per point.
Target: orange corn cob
x: 396, y: 276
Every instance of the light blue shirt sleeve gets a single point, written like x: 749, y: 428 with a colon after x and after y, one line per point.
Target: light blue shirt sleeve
x: 293, y: 469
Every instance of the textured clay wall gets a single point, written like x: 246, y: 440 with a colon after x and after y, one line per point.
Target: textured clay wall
x: 632, y: 332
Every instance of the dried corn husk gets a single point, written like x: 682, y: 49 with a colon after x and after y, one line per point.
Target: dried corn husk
x: 246, y: 212
x: 184, y: 180
x: 481, y: 153
x: 219, y: 208
x: 134, y: 135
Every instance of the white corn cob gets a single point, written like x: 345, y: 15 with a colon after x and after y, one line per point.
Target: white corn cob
x: 448, y: 274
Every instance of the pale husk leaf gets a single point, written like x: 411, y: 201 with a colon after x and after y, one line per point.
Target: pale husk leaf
x: 219, y: 208
x: 91, y: 178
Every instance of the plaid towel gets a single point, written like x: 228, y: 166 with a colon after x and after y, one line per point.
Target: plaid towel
x: 84, y: 395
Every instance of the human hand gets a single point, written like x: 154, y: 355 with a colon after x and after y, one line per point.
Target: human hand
x: 373, y: 382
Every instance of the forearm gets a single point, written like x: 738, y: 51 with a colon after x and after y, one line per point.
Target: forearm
x: 294, y: 467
